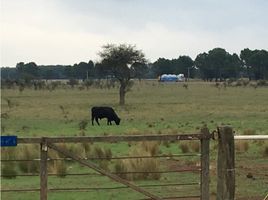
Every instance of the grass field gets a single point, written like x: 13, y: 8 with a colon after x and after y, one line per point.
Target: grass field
x: 151, y: 108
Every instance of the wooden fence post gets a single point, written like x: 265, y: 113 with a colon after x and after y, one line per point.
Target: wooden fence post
x: 43, y: 169
x: 205, y: 164
x: 226, y: 164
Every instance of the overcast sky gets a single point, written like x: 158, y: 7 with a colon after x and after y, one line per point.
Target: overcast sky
x: 71, y: 31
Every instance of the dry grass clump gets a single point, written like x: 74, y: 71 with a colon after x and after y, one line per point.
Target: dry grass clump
x: 87, y: 149
x: 133, y: 131
x: 29, y: 152
x: 241, y: 146
x: 195, y: 146
x: 76, y: 149
x: 59, y: 165
x: 184, y: 146
x: 102, y: 156
x: 166, y: 143
x: 190, y: 146
x: 143, y: 168
x: 151, y: 147
x: 98, y: 152
x: 8, y: 169
x: 265, y: 150
x: 249, y: 131
x: 60, y: 168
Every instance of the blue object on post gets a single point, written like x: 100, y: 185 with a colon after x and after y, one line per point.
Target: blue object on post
x: 8, y: 141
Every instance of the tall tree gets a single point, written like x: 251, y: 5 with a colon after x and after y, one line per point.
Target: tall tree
x: 119, y: 59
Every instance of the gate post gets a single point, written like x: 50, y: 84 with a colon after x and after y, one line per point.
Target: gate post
x: 205, y: 164
x: 226, y: 164
x: 43, y: 169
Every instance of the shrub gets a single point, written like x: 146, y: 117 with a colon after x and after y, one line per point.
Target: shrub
x: 83, y: 124
x: 88, y: 83
x: 72, y: 82
x: 262, y: 83
x: 185, y: 85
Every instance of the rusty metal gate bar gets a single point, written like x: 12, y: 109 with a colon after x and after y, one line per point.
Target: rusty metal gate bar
x: 118, y: 138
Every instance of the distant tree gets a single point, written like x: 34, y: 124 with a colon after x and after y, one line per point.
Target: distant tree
x: 162, y: 66
x: 90, y: 69
x: 69, y: 72
x: 28, y: 71
x: 218, y: 64
x: 140, y: 70
x: 102, y: 71
x: 83, y: 70
x: 10, y: 73
x: 202, y: 63
x: 183, y: 65
x: 233, y: 66
x: 256, y: 63
x: 119, y: 59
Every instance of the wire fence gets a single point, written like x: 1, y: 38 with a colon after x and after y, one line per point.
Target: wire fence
x: 164, y: 158
x: 187, y: 174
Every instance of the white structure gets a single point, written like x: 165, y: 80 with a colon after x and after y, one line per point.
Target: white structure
x: 171, y: 78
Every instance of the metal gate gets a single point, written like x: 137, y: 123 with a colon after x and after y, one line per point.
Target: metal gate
x: 51, y: 143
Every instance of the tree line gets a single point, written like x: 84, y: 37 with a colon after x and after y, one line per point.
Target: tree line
x: 216, y: 64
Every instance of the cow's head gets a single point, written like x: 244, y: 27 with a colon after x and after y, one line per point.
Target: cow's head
x: 117, y: 121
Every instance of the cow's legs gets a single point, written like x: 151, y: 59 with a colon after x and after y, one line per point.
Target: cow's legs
x: 97, y: 120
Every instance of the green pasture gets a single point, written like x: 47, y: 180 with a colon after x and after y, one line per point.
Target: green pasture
x: 151, y: 108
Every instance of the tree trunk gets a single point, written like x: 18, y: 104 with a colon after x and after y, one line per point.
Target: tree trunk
x: 122, y: 93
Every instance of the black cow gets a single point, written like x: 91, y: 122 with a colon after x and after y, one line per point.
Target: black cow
x: 104, y: 112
